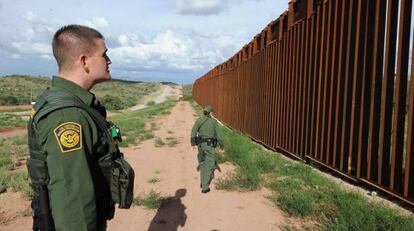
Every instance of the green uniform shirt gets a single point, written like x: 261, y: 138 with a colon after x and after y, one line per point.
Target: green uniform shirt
x: 79, y: 196
x: 207, y: 127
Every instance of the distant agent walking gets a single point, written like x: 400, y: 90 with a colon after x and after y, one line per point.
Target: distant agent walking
x: 206, y: 135
x: 76, y: 168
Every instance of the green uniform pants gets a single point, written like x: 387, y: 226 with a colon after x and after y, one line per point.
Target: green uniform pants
x: 207, y: 159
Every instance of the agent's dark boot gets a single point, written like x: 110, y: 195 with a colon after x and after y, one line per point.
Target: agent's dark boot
x: 205, y: 191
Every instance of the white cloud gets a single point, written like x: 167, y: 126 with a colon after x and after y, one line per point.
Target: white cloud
x: 38, y: 29
x: 96, y: 22
x: 201, y: 7
x: 171, y: 50
x: 136, y: 33
x: 39, y: 49
x: 34, y: 39
x: 123, y: 40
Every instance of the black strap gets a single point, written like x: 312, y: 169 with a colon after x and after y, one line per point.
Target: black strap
x: 56, y: 103
x: 201, y: 125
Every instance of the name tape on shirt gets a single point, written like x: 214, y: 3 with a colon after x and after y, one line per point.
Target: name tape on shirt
x: 69, y: 136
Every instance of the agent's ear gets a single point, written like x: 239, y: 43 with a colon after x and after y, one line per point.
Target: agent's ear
x: 84, y: 61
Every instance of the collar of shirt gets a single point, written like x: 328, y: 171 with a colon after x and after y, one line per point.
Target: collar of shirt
x: 87, y: 97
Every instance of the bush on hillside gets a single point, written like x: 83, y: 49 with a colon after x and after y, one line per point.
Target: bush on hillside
x: 112, y: 102
x: 8, y: 100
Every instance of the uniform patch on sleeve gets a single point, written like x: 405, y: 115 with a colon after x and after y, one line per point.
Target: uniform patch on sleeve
x: 69, y: 136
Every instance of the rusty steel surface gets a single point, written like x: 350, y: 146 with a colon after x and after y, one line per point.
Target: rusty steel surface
x: 328, y: 81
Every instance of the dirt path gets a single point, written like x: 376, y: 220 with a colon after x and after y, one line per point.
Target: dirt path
x: 175, y: 167
x: 187, y: 208
x: 166, y: 91
x: 9, y: 132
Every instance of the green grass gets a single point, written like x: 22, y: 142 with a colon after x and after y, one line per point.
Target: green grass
x: 119, y: 94
x: 302, y: 192
x: 21, y: 89
x: 114, y: 94
x: 159, y: 142
x: 13, y: 176
x: 150, y: 103
x: 188, y: 92
x: 17, y: 181
x: 188, y: 96
x: 132, y: 124
x: 11, y: 121
x: 153, y: 180
x: 12, y: 150
x: 154, y: 126
x: 171, y: 141
x: 151, y: 201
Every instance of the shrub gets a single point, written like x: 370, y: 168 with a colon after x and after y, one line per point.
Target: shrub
x: 112, y: 102
x: 151, y: 201
x: 8, y: 100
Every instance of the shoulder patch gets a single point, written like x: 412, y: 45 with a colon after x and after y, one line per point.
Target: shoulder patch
x: 69, y: 136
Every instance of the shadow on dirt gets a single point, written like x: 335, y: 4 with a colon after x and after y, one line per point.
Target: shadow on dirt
x: 171, y: 213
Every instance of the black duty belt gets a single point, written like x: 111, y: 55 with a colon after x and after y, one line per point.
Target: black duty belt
x: 209, y: 141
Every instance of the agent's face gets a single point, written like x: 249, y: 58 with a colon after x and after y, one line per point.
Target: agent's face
x: 99, y: 66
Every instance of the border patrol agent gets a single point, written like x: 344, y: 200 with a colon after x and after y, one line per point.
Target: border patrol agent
x: 75, y: 166
x: 206, y: 135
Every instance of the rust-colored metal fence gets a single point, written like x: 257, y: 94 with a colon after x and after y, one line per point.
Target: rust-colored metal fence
x: 327, y: 81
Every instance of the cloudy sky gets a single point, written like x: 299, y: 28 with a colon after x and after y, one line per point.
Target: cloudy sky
x: 151, y: 40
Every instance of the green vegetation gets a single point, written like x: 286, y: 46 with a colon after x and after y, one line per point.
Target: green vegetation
x: 14, y: 150
x: 21, y: 89
x: 159, y: 142
x: 188, y: 92
x: 153, y: 180
x: 188, y: 96
x: 11, y: 121
x: 169, y: 141
x: 151, y: 201
x: 13, y: 174
x: 303, y: 192
x: 118, y: 94
x: 114, y: 94
x: 150, y: 103
x: 132, y: 124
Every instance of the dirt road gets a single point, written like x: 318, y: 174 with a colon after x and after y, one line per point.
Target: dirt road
x: 166, y: 91
x: 175, y: 167
x: 175, y: 170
